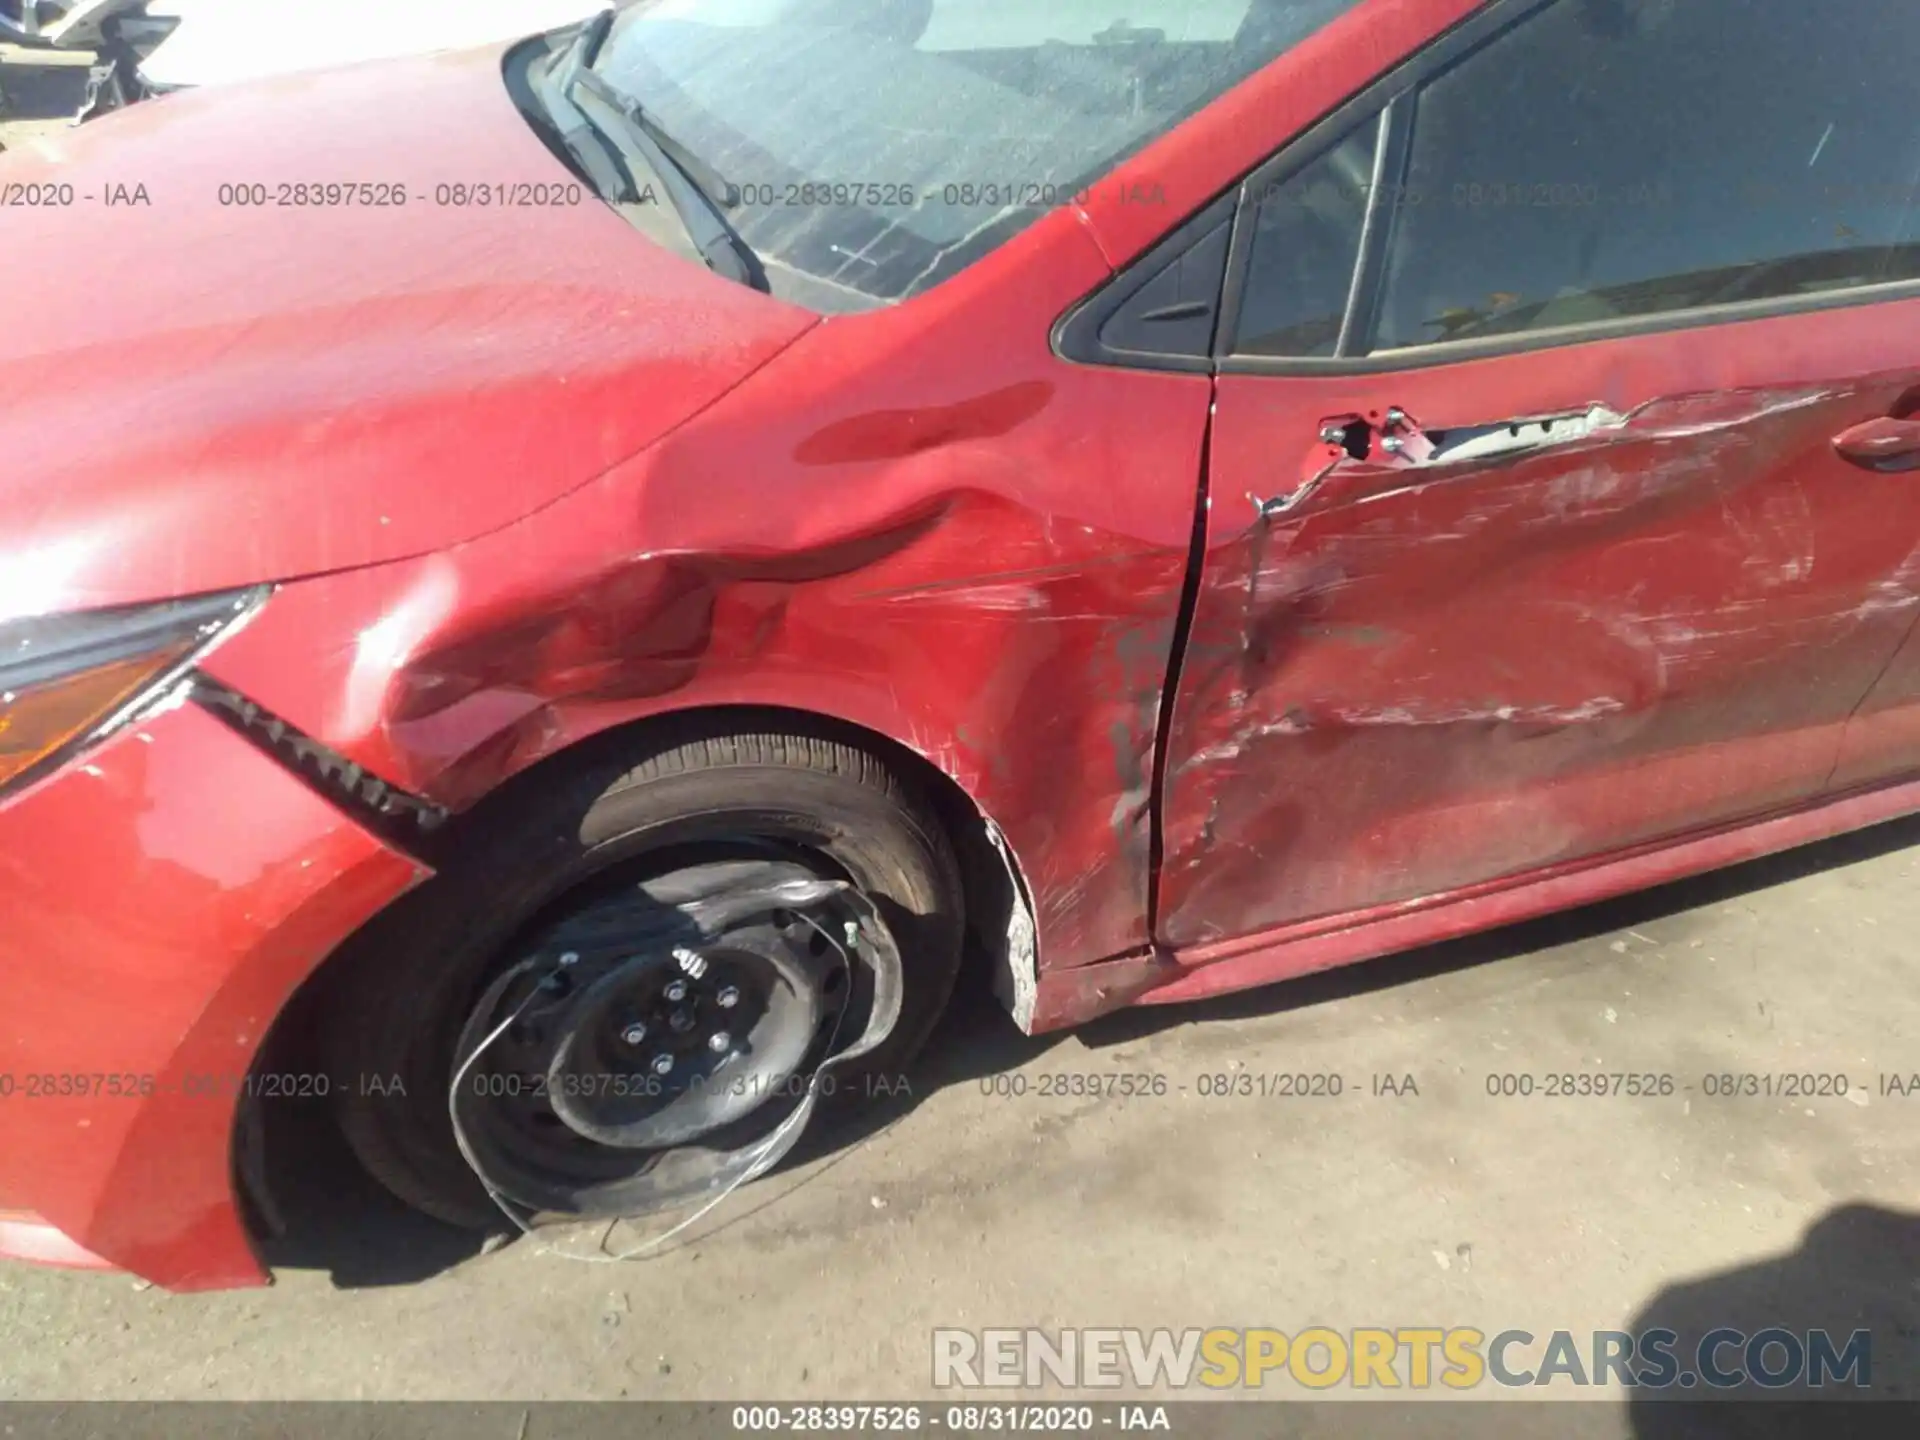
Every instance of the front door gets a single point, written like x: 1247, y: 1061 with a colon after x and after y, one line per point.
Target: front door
x: 1550, y: 506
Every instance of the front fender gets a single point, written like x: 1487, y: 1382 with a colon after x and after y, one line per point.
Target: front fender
x: 919, y: 521
x: 163, y: 899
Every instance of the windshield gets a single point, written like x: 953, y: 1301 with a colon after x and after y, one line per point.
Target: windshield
x: 873, y: 148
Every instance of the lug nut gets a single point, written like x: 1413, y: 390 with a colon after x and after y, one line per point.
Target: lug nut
x: 676, y: 990
x: 681, y: 1021
x: 662, y: 1064
x: 691, y: 961
x: 728, y: 998
x: 634, y: 1033
x: 720, y: 1042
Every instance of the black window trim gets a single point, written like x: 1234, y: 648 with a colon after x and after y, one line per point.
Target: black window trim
x: 1454, y: 352
x: 1391, y: 97
x: 1075, y: 334
x: 1390, y: 130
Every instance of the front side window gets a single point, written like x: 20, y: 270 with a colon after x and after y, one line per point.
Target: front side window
x: 876, y: 147
x: 1306, y: 238
x: 1608, y: 160
x: 1614, y: 159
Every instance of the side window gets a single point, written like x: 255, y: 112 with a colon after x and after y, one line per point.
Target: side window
x: 1306, y: 240
x: 1607, y: 159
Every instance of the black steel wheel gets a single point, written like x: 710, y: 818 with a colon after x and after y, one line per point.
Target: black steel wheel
x: 632, y: 988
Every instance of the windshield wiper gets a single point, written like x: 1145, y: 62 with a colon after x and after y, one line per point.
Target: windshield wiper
x: 585, y: 50
x: 574, y: 130
x: 697, y: 190
x: 709, y: 181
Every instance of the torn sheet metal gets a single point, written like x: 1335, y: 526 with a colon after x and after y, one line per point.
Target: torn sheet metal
x: 1539, y: 640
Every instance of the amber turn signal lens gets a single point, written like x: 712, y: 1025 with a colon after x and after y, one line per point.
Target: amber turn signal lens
x: 64, y: 678
x: 41, y: 721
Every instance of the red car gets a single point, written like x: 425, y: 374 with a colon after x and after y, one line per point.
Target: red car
x: 609, y: 556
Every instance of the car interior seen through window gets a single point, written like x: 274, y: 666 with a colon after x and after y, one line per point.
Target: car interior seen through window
x: 1606, y: 160
x: 1306, y: 241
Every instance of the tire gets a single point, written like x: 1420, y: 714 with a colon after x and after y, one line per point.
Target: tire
x: 398, y: 1004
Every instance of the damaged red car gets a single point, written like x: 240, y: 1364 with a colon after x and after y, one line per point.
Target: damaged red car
x: 602, y: 561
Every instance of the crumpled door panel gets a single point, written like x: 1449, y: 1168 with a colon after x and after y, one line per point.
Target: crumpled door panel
x: 1487, y: 652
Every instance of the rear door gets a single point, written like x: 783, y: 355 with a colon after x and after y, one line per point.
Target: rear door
x: 1551, y: 511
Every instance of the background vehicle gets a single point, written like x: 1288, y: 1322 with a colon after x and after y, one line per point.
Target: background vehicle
x: 1204, y: 506
x: 46, y: 84
x: 62, y: 61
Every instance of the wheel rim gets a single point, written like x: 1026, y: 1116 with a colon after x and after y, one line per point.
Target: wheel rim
x: 668, y: 1038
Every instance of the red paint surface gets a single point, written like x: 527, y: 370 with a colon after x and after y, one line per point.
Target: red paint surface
x: 162, y: 901
x: 1424, y: 677
x: 1287, y: 953
x: 229, y: 393
x: 980, y: 559
x: 524, y: 477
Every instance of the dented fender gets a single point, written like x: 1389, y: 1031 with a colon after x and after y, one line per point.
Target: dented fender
x: 980, y: 560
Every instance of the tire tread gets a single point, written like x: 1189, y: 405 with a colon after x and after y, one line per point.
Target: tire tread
x: 385, y: 996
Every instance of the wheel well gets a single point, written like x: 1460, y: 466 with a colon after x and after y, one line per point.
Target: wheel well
x: 998, y: 903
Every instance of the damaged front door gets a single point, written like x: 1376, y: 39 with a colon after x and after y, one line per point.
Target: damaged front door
x: 1537, y: 531
x: 1429, y: 673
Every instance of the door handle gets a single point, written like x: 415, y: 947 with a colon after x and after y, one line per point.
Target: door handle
x: 1885, y: 445
x: 1395, y: 441
x: 1394, y: 438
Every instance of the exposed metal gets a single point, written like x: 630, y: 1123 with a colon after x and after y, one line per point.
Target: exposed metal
x: 591, y: 1129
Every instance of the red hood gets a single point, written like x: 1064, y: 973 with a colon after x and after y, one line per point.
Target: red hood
x: 196, y: 395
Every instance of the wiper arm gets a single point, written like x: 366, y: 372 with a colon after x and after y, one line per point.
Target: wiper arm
x: 573, y: 129
x: 585, y: 50
x: 713, y: 186
x: 701, y: 195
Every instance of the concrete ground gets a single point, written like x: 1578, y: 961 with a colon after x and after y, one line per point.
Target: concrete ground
x: 967, y: 1208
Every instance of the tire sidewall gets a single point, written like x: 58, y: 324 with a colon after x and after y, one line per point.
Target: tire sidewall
x: 444, y: 943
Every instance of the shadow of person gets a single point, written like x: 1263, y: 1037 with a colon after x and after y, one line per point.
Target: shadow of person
x: 1855, y: 1277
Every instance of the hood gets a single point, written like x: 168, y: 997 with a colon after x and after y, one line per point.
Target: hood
x: 198, y: 390
x: 222, y: 41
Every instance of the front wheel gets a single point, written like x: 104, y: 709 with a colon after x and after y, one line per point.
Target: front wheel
x: 629, y: 987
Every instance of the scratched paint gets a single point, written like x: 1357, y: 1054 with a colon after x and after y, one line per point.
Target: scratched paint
x: 920, y: 549
x: 1427, y: 676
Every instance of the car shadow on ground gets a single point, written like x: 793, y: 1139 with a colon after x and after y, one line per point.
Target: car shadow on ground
x: 336, y: 1218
